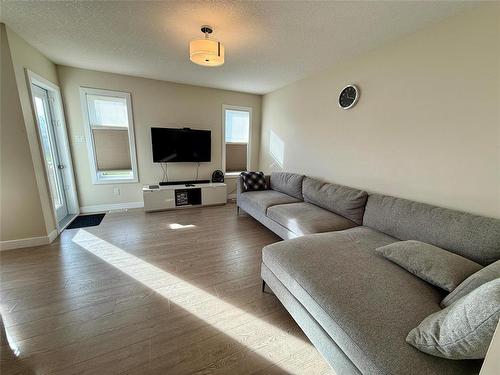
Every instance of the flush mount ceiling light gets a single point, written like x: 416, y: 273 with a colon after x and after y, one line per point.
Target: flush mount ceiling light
x: 206, y: 52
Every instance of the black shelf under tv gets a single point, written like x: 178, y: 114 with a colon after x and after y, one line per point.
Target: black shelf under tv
x: 167, y: 183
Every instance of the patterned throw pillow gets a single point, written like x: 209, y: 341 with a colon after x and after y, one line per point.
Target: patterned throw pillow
x: 253, y: 181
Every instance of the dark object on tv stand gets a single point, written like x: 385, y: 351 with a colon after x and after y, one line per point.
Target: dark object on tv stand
x: 166, y: 183
x: 218, y: 176
x: 188, y: 197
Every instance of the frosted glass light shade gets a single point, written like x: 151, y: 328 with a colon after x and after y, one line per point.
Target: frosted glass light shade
x: 206, y: 52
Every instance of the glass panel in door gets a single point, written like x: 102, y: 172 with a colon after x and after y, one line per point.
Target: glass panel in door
x: 49, y: 146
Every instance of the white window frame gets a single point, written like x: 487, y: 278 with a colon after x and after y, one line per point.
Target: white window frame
x: 226, y: 107
x: 97, y: 177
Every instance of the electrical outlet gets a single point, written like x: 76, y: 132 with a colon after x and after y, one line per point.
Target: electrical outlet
x: 116, y: 191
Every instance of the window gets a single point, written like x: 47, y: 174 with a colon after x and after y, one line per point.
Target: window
x: 110, y: 135
x: 236, y: 139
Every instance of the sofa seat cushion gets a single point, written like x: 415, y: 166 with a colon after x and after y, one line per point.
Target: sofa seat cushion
x: 261, y: 200
x: 365, y: 303
x: 306, y: 218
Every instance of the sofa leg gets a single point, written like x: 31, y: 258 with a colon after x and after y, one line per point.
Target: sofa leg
x: 263, y: 286
x: 237, y: 210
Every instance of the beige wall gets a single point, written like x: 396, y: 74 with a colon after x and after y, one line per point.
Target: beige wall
x: 154, y: 103
x: 427, y: 126
x: 26, y: 207
x: 20, y: 207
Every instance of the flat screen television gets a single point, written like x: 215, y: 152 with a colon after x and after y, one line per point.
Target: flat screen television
x: 181, y: 145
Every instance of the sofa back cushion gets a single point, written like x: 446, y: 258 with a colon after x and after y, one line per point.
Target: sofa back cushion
x: 342, y: 200
x: 474, y: 237
x: 288, y: 183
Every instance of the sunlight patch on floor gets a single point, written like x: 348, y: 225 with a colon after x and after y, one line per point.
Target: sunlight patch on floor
x: 200, y: 303
x: 12, y: 343
x: 180, y: 226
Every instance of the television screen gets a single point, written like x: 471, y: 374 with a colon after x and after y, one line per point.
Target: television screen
x: 180, y: 145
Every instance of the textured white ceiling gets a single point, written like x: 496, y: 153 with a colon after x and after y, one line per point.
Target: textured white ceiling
x: 268, y: 44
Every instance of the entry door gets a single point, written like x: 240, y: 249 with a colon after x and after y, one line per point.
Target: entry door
x: 50, y: 151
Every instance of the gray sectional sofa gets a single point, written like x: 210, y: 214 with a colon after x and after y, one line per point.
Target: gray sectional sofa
x: 295, y: 205
x: 355, y: 306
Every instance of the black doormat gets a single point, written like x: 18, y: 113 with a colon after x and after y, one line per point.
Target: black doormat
x: 83, y: 221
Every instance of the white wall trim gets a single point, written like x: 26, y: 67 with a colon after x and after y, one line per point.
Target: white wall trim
x: 231, y: 196
x: 110, y: 207
x: 28, y: 242
x: 67, y: 222
x: 61, y: 133
x: 32, y: 130
x: 53, y: 235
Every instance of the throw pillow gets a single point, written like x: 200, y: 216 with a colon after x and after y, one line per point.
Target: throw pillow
x: 463, y: 330
x: 437, y: 266
x: 253, y: 181
x: 474, y: 281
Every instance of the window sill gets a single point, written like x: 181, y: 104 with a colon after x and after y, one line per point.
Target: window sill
x: 232, y: 174
x: 111, y: 181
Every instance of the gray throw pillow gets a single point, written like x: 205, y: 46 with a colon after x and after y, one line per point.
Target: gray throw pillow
x: 437, y: 266
x: 474, y: 281
x: 463, y: 330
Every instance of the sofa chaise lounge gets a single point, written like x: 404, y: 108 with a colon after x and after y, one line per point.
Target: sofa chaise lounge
x: 355, y: 306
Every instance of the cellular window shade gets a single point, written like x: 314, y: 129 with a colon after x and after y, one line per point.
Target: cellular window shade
x: 107, y: 111
x: 236, y: 157
x: 112, y: 149
x: 237, y: 126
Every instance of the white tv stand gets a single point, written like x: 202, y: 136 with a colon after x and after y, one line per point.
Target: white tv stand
x: 171, y: 197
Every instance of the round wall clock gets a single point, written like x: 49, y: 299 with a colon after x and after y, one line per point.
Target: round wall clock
x: 348, y: 97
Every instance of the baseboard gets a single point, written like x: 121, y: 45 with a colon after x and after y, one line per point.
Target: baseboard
x: 231, y: 196
x: 53, y: 235
x: 110, y: 207
x: 28, y: 242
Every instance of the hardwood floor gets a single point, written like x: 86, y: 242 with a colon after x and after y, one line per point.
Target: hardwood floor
x: 174, y: 292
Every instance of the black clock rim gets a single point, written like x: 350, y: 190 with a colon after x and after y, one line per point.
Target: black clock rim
x: 354, y: 101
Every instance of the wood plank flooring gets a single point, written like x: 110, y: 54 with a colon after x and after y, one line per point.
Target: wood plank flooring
x: 175, y: 292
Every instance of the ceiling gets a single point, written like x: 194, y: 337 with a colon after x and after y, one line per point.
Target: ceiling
x: 268, y: 43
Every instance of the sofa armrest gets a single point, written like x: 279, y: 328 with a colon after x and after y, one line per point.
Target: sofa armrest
x: 239, y: 186
x: 268, y: 181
